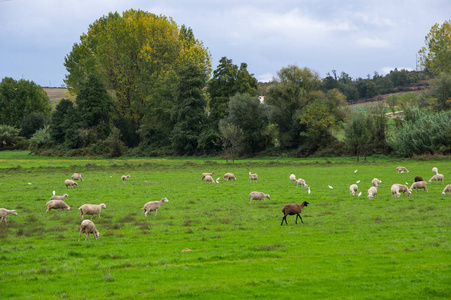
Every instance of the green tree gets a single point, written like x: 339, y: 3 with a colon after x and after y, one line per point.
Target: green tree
x: 359, y: 135
x: 232, y: 139
x: 435, y: 56
x: 31, y: 124
x: 9, y: 137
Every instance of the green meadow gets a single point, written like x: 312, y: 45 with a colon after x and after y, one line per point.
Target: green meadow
x: 347, y: 248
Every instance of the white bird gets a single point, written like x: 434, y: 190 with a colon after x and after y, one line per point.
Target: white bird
x: 407, y: 183
x: 309, y: 190
x: 217, y: 179
x: 355, y: 171
x: 330, y: 187
x: 402, y: 171
x: 357, y: 181
x: 29, y: 183
x: 54, y: 193
x: 360, y: 194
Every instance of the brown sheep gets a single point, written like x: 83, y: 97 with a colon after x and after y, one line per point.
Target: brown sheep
x: 293, y: 209
x: 418, y: 178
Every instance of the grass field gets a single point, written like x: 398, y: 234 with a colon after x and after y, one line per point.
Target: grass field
x: 347, y: 248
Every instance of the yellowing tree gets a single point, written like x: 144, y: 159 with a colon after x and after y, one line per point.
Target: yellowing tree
x: 131, y: 53
x: 435, y: 57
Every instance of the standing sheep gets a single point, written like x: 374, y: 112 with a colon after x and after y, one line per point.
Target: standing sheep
x: 57, y: 204
x: 447, y: 189
x: 372, y: 191
x: 253, y: 177
x: 437, y: 177
x: 209, y: 179
x: 91, y: 209
x: 59, y: 197
x: 293, y: 178
x: 434, y: 170
x: 4, y: 212
x: 402, y: 170
x: 293, y: 209
x: 87, y: 227
x: 71, y: 183
x: 229, y: 176
x: 376, y: 182
x: 403, y: 189
x: 124, y: 178
x: 153, y: 206
x: 301, y: 181
x: 76, y: 176
x: 258, y: 196
x: 419, y: 185
x: 395, y: 191
x: 207, y: 174
x: 354, y: 189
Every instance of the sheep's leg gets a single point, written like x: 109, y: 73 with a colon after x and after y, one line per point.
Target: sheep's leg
x: 300, y: 218
x: 284, y: 218
x: 81, y: 229
x: 156, y: 212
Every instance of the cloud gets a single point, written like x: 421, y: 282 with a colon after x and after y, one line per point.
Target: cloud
x: 368, y: 42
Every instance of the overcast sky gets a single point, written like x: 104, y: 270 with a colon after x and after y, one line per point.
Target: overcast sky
x: 355, y: 36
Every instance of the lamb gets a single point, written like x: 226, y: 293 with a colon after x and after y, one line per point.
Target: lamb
x: 419, y: 185
x: 403, y: 188
x: 91, y: 209
x: 229, y: 176
x: 77, y: 176
x: 209, y: 179
x: 376, y: 182
x: 301, y: 181
x: 59, y: 197
x: 253, y: 177
x: 401, y: 170
x: 87, y: 227
x: 4, y: 212
x: 437, y: 177
x: 434, y: 170
x: 418, y: 178
x: 57, y: 204
x: 372, y: 191
x: 395, y: 191
x: 71, y: 183
x: 207, y: 174
x: 124, y: 178
x: 153, y: 206
x: 354, y: 189
x: 447, y: 189
x: 293, y: 209
x: 258, y: 196
x: 293, y: 178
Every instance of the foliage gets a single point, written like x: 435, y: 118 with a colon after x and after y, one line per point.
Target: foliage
x: 40, y: 140
x: 19, y: 99
x: 9, y: 137
x: 438, y: 96
x: 232, y: 138
x: 114, y: 143
x: 360, y: 135
x: 435, y: 56
x: 32, y: 123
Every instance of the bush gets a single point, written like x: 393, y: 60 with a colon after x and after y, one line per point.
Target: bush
x: 9, y: 138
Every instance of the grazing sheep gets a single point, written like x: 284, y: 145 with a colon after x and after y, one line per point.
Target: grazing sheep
x: 419, y: 185
x: 293, y: 178
x: 57, y: 204
x: 418, y: 178
x: 4, y: 212
x: 229, y: 176
x: 447, y: 189
x: 293, y: 209
x: 301, y: 181
x: 434, y: 170
x: 207, y: 174
x: 59, y: 197
x: 87, y: 227
x: 403, y: 188
x: 258, y: 196
x: 354, y: 189
x: 77, y: 176
x: 124, y: 178
x: 209, y: 179
x: 401, y: 170
x: 376, y: 182
x: 395, y: 191
x: 372, y: 191
x: 253, y: 177
x: 70, y: 182
x: 437, y: 177
x: 91, y: 209
x: 154, y: 206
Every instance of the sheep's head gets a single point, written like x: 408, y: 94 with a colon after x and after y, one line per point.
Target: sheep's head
x: 409, y: 191
x: 96, y: 234
x: 102, y: 205
x: 65, y: 195
x: 305, y: 203
x: 76, y: 183
x: 13, y: 212
x: 68, y: 208
x: 443, y: 193
x: 164, y: 199
x: 268, y: 196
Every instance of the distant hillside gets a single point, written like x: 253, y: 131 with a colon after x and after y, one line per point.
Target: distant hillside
x: 55, y: 93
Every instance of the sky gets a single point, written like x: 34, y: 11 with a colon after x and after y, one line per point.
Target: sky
x: 357, y: 37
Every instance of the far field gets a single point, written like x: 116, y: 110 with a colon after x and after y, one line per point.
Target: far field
x: 347, y: 248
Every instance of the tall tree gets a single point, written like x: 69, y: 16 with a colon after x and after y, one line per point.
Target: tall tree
x: 435, y: 56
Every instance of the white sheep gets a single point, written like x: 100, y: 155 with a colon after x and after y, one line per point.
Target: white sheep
x: 91, y: 209
x: 71, y: 183
x: 76, y: 176
x: 153, y: 206
x: 447, y: 189
x: 207, y: 174
x: 403, y: 189
x: 124, y: 178
x: 419, y: 185
x: 253, y: 177
x: 434, y: 170
x: 59, y: 197
x: 209, y: 179
x: 301, y: 181
x: 376, y: 182
x: 87, y: 227
x: 402, y: 170
x: 258, y: 196
x: 4, y: 212
x: 57, y: 204
x: 395, y: 191
x: 437, y: 177
x: 293, y: 178
x: 229, y: 176
x: 372, y: 191
x: 354, y: 189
